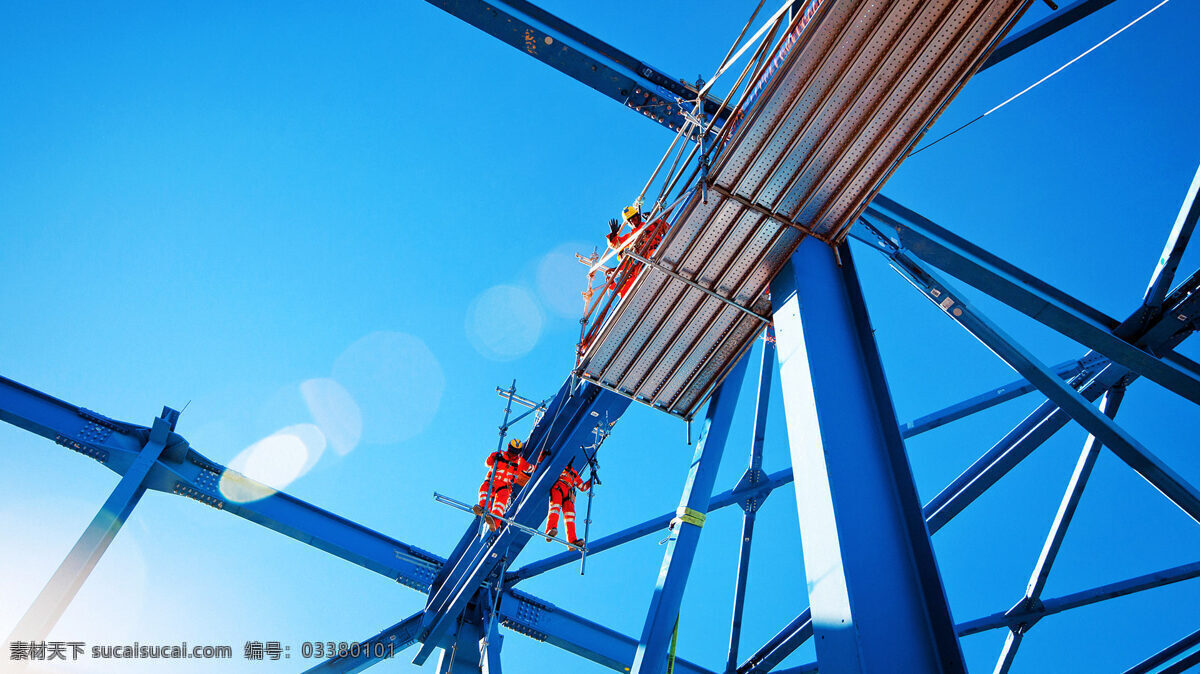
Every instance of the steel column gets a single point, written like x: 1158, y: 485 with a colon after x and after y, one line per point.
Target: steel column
x: 685, y: 536
x: 462, y: 655
x: 752, y: 476
x: 982, y: 402
x: 548, y: 623
x: 854, y: 488
x: 53, y: 600
x: 723, y: 500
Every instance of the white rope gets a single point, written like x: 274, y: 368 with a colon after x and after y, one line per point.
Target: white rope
x: 1057, y: 71
x: 1068, y: 63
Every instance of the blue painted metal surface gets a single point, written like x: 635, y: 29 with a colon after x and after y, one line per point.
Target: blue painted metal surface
x: 1058, y: 531
x: 1097, y: 377
x: 1122, y: 588
x: 876, y: 595
x: 584, y: 57
x: 983, y: 401
x: 752, y: 477
x: 463, y: 655
x: 159, y: 459
x: 685, y: 536
x: 735, y: 496
x: 50, y: 603
x: 1149, y: 466
x: 184, y: 471
x: 1025, y: 293
x: 1167, y: 654
x: 546, y: 622
x: 563, y: 432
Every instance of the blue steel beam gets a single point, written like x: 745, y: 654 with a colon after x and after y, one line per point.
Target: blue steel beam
x: 1058, y: 531
x: 663, y: 613
x: 50, y: 603
x: 548, y: 623
x: 725, y: 499
x: 1129, y: 450
x: 1168, y: 262
x: 183, y: 471
x: 752, y: 477
x: 463, y: 654
x: 983, y: 401
x: 1122, y: 588
x: 384, y: 645
x: 1097, y: 378
x: 1166, y: 654
x: 582, y: 56
x: 1043, y: 29
x: 854, y: 489
x: 563, y: 433
x: 1025, y: 293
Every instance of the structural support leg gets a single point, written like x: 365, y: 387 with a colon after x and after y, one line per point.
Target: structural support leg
x: 53, y: 600
x: 877, y: 599
x: 463, y: 657
x: 753, y: 476
x: 1058, y: 531
x: 651, y: 655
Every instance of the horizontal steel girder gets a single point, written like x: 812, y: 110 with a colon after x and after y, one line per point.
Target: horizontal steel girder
x: 1025, y: 293
x: 582, y: 56
x: 184, y: 471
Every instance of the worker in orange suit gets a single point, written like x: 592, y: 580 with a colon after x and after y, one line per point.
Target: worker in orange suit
x: 562, y: 502
x: 650, y: 236
x: 506, y: 469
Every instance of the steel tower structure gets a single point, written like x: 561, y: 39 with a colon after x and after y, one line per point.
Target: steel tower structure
x: 783, y: 172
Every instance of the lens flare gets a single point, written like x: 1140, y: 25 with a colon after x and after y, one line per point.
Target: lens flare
x: 561, y: 279
x: 504, y: 322
x: 273, y: 463
x: 335, y: 411
x: 397, y: 383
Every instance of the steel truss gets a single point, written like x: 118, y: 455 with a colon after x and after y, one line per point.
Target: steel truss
x: 897, y: 615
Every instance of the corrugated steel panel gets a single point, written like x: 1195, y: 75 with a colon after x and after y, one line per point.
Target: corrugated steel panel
x: 848, y: 101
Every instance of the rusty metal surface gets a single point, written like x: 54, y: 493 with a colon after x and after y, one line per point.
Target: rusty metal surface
x: 848, y: 101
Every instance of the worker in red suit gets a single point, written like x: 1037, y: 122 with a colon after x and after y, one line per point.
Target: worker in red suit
x: 562, y: 501
x: 506, y: 469
x: 649, y: 235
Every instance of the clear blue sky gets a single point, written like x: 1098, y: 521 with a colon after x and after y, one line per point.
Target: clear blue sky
x: 347, y: 223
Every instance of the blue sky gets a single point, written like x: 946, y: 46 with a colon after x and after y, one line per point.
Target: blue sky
x: 357, y: 220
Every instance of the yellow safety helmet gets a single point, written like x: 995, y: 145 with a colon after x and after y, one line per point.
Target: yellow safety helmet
x: 630, y: 213
x: 515, y: 445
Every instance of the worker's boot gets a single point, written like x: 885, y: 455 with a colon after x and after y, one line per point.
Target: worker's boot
x: 478, y: 510
x: 550, y: 534
x: 578, y: 542
x: 493, y: 523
